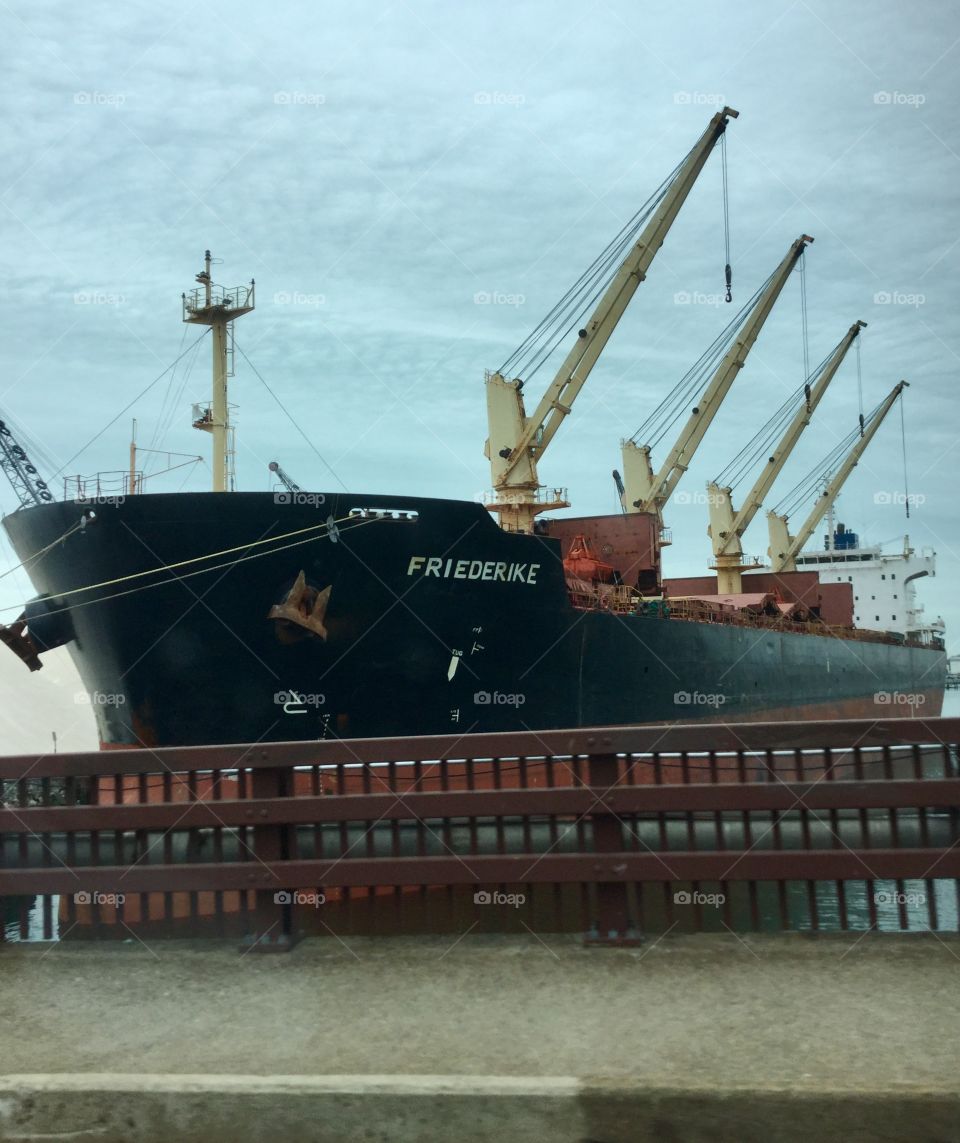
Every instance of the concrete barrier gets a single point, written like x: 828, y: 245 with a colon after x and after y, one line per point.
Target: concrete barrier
x: 105, y: 1108
x: 710, y: 1038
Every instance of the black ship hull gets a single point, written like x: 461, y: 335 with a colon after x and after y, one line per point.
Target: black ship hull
x: 435, y: 621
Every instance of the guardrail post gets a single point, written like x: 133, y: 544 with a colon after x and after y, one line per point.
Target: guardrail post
x: 613, y: 924
x: 272, y: 915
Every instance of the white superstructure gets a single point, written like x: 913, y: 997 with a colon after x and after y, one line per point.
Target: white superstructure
x: 884, y: 591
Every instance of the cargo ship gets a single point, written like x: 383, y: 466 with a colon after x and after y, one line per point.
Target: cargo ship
x: 228, y: 616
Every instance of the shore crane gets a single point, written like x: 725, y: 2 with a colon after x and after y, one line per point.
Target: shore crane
x: 646, y: 492
x: 517, y: 442
x: 784, y: 548
x: 30, y: 489
x: 728, y: 526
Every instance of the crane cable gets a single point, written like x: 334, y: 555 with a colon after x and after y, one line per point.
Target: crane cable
x: 167, y: 419
x: 728, y: 272
x: 825, y: 467
x: 570, y: 310
x: 166, y: 396
x: 903, y: 442
x: 760, y: 443
x: 823, y: 470
x: 289, y: 417
x: 803, y: 317
x: 129, y: 405
x: 692, y: 384
x: 579, y: 299
x: 764, y: 438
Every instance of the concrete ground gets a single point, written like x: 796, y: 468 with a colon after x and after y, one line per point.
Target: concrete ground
x: 700, y: 1038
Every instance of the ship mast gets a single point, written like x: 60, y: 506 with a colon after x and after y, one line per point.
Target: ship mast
x: 132, y: 488
x: 218, y: 307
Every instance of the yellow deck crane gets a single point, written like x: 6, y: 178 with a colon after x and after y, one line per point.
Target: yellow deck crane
x: 517, y: 442
x: 784, y: 547
x: 645, y: 491
x: 727, y: 526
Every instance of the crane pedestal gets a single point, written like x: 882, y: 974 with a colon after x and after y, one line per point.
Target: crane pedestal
x: 518, y: 508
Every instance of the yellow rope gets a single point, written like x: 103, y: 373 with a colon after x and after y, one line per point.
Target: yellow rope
x: 36, y: 555
x: 195, y: 559
x: 201, y: 571
x: 192, y: 560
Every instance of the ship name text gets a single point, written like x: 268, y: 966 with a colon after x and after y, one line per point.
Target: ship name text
x: 472, y: 569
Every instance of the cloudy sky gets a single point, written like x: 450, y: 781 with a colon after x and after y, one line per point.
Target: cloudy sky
x: 413, y: 185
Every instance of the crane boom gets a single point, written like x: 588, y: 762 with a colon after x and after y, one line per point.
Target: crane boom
x: 727, y: 528
x: 784, y: 547
x: 648, y: 493
x: 517, y: 442
x: 21, y: 473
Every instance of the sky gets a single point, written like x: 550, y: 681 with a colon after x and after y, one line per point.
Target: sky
x: 413, y: 185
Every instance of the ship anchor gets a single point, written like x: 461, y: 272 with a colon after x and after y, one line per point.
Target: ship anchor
x: 304, y: 607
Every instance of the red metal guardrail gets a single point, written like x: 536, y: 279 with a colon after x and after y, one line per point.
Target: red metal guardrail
x: 615, y: 832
